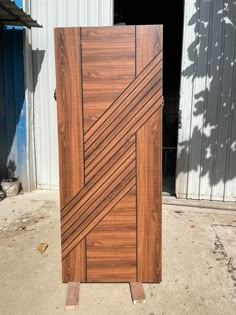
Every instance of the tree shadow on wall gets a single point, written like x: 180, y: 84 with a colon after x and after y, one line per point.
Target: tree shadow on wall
x: 211, y: 71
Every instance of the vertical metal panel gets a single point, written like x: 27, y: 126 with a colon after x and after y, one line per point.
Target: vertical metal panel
x: 29, y: 87
x: 229, y: 99
x: 198, y: 96
x: 207, y: 141
x: 50, y: 14
x: 212, y: 94
x: 186, y: 92
x: 12, y: 106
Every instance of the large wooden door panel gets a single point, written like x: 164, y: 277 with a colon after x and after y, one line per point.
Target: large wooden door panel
x: 109, y: 97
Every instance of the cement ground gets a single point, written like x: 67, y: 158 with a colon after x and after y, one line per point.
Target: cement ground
x: 199, y: 262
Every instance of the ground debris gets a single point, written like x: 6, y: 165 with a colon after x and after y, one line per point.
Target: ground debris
x: 21, y: 228
x: 42, y: 247
x: 179, y: 211
x: 230, y: 265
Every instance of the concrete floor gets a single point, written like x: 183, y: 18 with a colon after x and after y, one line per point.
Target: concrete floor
x: 199, y: 262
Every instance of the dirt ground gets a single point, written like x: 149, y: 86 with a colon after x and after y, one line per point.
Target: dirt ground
x: 199, y: 262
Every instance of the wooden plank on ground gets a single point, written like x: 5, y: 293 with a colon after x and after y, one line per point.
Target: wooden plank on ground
x: 72, y: 297
x: 137, y: 292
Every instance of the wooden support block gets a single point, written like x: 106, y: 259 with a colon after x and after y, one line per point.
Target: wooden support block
x: 72, y: 297
x: 137, y: 292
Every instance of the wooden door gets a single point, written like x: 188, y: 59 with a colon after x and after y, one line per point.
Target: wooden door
x: 109, y: 98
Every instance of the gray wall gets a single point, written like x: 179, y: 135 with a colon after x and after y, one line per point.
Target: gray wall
x: 206, y: 162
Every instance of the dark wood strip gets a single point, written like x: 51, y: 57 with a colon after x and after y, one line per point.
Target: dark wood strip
x: 129, y: 129
x: 70, y: 133
x: 125, y: 104
x: 96, y: 194
x: 126, y: 93
x: 119, y: 193
x: 100, y: 174
x: 117, y: 124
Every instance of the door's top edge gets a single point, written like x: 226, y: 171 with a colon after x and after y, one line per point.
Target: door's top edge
x: 109, y: 26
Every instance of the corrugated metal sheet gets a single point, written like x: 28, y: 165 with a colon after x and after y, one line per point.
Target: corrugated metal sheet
x: 11, y: 14
x: 50, y: 14
x: 12, y: 106
x: 207, y: 141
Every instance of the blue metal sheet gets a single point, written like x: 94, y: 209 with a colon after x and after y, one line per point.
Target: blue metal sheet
x: 19, y: 4
x: 12, y: 105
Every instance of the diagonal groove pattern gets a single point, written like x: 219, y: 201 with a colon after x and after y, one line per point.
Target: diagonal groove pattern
x: 99, y: 175
x: 101, y: 166
x: 88, y: 210
x: 127, y: 95
x: 110, y: 170
x: 97, y: 190
x: 139, y: 103
x: 123, y: 101
x: 110, y: 114
x: 128, y: 130
x: 127, y: 185
x: 121, y: 189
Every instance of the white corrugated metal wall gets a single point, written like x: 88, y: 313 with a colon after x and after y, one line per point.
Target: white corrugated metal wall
x: 50, y: 14
x: 207, y: 140
x: 206, y: 163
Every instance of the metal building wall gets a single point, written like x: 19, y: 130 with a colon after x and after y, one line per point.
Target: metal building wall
x: 40, y: 90
x: 206, y: 163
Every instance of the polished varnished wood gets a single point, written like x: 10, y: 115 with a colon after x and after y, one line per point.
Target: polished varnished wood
x: 149, y: 170
x: 70, y: 134
x: 124, y: 98
x: 101, y: 67
x: 149, y: 200
x: 109, y: 97
x: 111, y: 246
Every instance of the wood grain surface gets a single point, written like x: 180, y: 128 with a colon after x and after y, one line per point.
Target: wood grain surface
x: 149, y: 170
x: 72, y: 296
x: 105, y: 73
x: 111, y: 246
x: 137, y: 292
x: 70, y: 134
x: 109, y: 98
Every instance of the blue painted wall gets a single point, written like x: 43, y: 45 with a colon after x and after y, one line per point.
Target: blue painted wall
x: 12, y: 104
